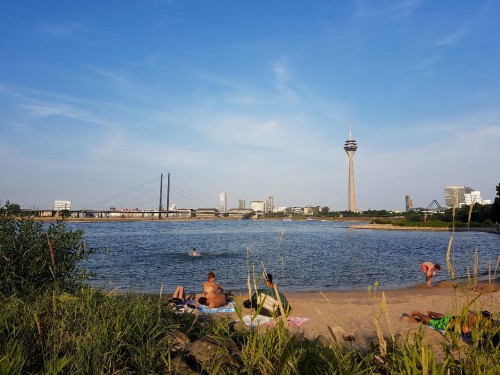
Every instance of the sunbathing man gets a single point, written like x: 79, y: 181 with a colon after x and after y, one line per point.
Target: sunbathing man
x: 430, y: 270
x: 441, y: 322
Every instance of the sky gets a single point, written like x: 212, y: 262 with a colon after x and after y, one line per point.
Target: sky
x: 253, y: 98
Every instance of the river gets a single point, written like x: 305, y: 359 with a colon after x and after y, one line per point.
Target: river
x: 302, y: 255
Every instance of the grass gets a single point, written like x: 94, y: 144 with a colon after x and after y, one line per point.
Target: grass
x: 97, y: 333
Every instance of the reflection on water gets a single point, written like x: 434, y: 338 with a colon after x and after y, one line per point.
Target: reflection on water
x: 312, y: 255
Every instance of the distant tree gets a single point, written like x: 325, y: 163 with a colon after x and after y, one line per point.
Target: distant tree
x: 65, y: 213
x: 495, y: 210
x: 12, y: 208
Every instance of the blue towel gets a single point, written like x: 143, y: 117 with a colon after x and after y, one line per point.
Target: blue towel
x: 223, y: 309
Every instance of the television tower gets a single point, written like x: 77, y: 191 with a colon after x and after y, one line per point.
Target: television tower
x: 350, y: 148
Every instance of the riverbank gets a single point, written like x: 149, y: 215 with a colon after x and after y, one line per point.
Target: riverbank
x: 423, y: 228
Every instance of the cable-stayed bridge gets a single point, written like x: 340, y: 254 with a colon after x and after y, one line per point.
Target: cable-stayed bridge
x: 150, y: 194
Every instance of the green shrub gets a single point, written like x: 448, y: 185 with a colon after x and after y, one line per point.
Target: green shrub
x: 34, y: 259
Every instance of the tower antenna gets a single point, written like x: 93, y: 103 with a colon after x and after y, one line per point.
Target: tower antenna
x: 350, y: 148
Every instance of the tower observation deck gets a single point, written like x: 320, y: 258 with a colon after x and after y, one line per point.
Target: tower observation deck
x: 350, y: 148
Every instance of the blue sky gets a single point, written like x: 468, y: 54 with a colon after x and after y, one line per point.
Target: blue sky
x: 251, y: 97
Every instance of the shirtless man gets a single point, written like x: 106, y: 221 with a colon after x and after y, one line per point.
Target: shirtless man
x: 441, y: 322
x: 430, y: 270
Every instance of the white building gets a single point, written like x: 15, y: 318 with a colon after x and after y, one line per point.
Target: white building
x: 475, y: 197
x: 223, y: 202
x: 62, y: 205
x: 258, y: 206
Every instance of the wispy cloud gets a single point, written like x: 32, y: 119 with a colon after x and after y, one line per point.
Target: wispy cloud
x: 39, y: 104
x: 282, y: 78
x: 60, y: 30
x: 454, y: 37
x: 403, y: 8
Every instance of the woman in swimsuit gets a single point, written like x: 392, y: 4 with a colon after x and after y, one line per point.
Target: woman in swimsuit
x: 210, y: 286
x: 212, y: 293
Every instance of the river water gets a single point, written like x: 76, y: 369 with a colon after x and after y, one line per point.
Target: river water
x: 302, y: 255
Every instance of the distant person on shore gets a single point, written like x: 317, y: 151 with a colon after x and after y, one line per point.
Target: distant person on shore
x: 212, y: 293
x: 430, y: 270
x: 194, y: 252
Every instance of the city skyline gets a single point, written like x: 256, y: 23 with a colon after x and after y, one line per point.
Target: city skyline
x: 96, y: 98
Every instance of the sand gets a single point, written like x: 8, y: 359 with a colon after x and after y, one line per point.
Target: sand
x: 349, y: 316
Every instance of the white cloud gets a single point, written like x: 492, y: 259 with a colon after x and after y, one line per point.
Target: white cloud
x: 282, y: 78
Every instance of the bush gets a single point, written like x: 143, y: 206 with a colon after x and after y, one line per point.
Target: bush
x: 34, y: 259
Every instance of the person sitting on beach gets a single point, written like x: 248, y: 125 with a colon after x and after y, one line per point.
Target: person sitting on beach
x: 430, y: 270
x: 441, y: 322
x: 269, y: 299
x: 213, y: 295
x: 210, y: 285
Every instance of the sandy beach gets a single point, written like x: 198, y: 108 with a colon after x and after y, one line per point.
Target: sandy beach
x: 349, y: 316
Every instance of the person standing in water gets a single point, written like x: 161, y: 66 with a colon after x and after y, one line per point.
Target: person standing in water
x: 430, y: 270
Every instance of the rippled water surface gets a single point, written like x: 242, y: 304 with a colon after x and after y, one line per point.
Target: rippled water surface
x: 302, y: 255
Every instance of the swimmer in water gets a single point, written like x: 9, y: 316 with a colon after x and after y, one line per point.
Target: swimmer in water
x: 194, y: 252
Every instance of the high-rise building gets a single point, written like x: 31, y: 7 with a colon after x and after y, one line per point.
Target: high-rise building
x: 223, y: 202
x: 455, y: 195
x: 408, y: 203
x: 269, y: 204
x: 350, y: 148
x: 241, y: 204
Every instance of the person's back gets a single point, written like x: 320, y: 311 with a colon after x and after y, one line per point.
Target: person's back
x: 269, y: 300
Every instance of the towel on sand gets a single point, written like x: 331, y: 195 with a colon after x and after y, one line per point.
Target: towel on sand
x: 223, y: 309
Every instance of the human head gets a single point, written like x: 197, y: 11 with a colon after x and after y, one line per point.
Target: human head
x: 211, y: 275
x: 437, y: 267
x: 268, y: 278
x: 202, y: 300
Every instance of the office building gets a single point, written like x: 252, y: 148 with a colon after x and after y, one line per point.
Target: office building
x: 455, y: 195
x: 258, y: 206
x: 269, y: 204
x: 223, y: 202
x: 408, y: 203
x: 241, y: 204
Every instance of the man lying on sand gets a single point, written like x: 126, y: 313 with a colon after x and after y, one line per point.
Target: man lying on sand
x: 470, y: 323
